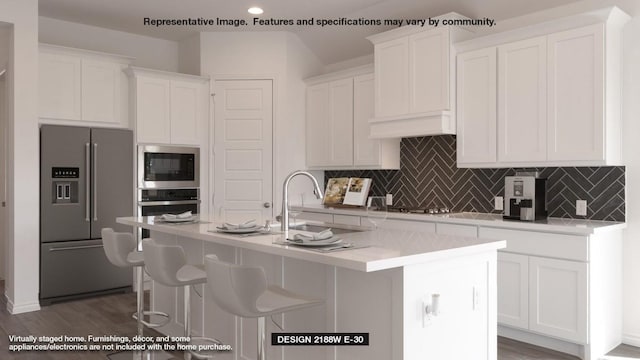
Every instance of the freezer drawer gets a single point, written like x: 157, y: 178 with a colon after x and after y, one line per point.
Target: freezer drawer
x: 72, y: 268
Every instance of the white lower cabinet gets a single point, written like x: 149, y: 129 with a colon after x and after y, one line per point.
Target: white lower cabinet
x: 561, y: 291
x: 543, y: 295
x: 558, y: 298
x: 513, y: 290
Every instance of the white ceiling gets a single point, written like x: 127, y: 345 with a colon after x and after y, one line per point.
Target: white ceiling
x: 330, y: 44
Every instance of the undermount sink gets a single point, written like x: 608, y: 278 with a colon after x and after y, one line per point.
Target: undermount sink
x: 319, y: 228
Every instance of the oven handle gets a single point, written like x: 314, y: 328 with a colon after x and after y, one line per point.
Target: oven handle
x: 176, y: 202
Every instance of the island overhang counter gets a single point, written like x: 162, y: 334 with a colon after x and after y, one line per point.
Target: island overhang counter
x: 380, y: 287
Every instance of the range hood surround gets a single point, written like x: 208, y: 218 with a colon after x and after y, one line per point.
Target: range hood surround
x: 414, y: 67
x: 424, y: 124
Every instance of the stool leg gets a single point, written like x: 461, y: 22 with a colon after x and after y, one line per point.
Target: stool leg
x: 262, y: 331
x: 187, y: 317
x: 140, y: 297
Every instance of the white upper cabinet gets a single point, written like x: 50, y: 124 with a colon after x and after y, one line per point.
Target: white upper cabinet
x: 317, y: 134
x: 577, y: 102
x: 392, y: 77
x: 558, y: 99
x: 60, y: 86
x: 476, y: 92
x: 153, y: 110
x: 522, y: 110
x: 82, y: 86
x: 340, y: 124
x: 414, y: 81
x: 338, y: 110
x: 187, y: 107
x: 101, y: 96
x: 170, y: 108
x: 429, y: 81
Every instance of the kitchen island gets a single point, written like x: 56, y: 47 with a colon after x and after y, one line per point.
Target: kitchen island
x: 380, y: 287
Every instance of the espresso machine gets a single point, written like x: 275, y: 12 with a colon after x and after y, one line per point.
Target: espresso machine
x: 525, y: 197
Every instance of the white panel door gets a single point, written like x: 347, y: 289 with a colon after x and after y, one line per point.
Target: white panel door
x: 60, y: 87
x: 243, y: 164
x: 340, y: 122
x: 429, y: 71
x: 476, y: 104
x: 392, y: 77
x: 101, y: 91
x: 522, y: 100
x: 365, y: 151
x: 153, y: 110
x: 513, y: 290
x: 558, y: 293
x: 317, y: 132
x: 186, y: 112
x: 576, y: 94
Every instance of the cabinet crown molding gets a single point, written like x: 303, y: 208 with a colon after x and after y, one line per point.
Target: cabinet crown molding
x: 88, y: 54
x: 134, y: 71
x: 541, y: 24
x: 341, y: 74
x: 407, y: 30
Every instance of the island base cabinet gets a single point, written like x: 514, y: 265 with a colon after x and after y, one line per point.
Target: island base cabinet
x: 389, y: 305
x: 465, y: 326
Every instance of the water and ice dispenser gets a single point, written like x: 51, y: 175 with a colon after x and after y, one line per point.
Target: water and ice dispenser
x: 64, y: 185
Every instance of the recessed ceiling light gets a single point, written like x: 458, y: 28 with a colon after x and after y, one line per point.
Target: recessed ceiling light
x: 255, y: 10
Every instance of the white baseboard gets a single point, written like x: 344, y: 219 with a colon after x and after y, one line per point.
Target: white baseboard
x: 14, y: 309
x: 631, y: 339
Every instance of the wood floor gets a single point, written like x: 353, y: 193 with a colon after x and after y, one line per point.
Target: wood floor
x: 111, y: 315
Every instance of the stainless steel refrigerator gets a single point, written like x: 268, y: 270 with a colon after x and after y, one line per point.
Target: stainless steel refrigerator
x: 86, y: 181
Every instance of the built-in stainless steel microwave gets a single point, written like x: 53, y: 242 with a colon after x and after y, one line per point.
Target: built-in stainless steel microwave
x: 168, y: 167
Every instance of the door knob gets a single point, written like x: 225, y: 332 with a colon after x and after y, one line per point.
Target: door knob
x: 267, y: 205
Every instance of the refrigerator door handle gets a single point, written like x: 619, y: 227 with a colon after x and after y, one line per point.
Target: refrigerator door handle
x: 87, y: 183
x: 95, y: 182
x: 64, y: 248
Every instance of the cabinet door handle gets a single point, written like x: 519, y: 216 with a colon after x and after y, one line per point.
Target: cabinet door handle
x: 87, y: 183
x: 95, y: 182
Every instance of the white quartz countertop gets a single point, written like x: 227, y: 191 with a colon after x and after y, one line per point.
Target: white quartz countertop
x: 383, y: 249
x: 555, y: 225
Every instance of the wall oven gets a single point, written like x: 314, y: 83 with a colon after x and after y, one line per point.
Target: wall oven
x: 155, y: 202
x: 168, y: 167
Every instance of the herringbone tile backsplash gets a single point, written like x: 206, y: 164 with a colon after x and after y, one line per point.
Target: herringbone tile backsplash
x: 428, y: 177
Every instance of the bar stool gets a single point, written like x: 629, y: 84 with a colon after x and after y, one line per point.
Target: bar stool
x: 167, y: 264
x: 243, y: 291
x: 120, y: 249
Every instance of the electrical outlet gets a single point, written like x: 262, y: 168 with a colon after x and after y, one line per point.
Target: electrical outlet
x: 581, y: 207
x: 389, y: 200
x: 498, y: 203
